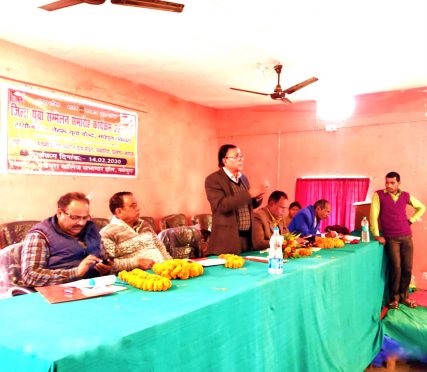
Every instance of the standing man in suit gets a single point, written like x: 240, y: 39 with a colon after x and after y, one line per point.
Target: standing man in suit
x: 232, y: 201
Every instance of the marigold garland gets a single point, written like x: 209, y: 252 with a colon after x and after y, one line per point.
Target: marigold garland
x: 327, y: 243
x: 145, y: 281
x: 232, y: 261
x: 178, y: 269
x: 293, y: 252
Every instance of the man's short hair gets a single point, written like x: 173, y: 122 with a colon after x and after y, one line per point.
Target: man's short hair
x: 222, y: 152
x: 65, y: 200
x: 116, y: 201
x: 295, y: 204
x: 393, y: 175
x: 321, y: 203
x: 276, y: 195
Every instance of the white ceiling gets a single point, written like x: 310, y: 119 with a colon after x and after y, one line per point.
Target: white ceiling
x: 355, y: 47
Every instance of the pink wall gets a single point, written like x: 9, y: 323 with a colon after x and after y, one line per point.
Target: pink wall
x: 388, y: 131
x: 176, y: 144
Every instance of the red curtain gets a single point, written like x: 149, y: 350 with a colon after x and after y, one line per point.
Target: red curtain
x: 340, y: 192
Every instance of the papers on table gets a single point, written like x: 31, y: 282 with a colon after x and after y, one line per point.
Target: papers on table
x: 349, y: 238
x: 102, y: 281
x: 209, y: 261
x: 80, y: 289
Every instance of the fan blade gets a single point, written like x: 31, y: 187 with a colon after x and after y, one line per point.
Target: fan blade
x: 152, y: 4
x: 66, y: 3
x: 251, y: 91
x: 60, y: 4
x: 300, y: 85
x: 285, y: 100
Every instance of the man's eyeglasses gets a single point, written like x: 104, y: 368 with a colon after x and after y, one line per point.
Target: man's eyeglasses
x: 132, y: 206
x: 237, y: 157
x: 77, y: 218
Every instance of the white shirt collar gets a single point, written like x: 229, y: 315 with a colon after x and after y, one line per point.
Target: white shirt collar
x: 117, y: 221
x: 231, y: 176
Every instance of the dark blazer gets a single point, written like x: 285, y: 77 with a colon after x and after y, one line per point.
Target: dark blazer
x: 262, y: 228
x: 224, y: 204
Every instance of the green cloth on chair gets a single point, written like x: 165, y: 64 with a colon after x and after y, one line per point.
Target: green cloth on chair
x: 408, y: 327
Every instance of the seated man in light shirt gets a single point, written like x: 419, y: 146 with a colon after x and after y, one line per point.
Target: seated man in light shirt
x: 127, y: 239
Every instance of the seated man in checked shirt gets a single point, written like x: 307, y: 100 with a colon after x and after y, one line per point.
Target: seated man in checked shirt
x: 128, y: 239
x: 64, y: 247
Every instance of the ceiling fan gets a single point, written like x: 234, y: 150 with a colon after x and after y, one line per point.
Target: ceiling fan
x: 152, y: 4
x: 279, y: 93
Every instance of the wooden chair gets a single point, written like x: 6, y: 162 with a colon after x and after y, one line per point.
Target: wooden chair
x: 100, y: 222
x: 204, y: 222
x: 10, y: 271
x: 149, y: 220
x: 173, y: 220
x: 181, y: 241
x: 14, y: 232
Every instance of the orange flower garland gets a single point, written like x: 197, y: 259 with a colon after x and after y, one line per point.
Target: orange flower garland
x: 145, y: 281
x: 327, y: 243
x: 178, y: 269
x: 293, y: 252
x: 232, y: 261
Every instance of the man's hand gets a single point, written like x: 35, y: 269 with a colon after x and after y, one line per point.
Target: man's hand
x: 86, y: 263
x: 104, y: 267
x: 145, y: 263
x: 380, y: 239
x: 331, y: 234
x: 259, y: 192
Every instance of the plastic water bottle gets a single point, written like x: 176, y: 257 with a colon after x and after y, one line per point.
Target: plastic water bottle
x: 275, y: 253
x: 365, y: 230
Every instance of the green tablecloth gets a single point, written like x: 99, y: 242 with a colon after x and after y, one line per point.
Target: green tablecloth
x: 322, y: 314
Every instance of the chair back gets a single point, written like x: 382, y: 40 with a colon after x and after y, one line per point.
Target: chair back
x: 173, y: 220
x: 14, y: 232
x: 100, y: 222
x: 181, y: 241
x: 149, y: 220
x: 203, y: 221
x: 11, y: 283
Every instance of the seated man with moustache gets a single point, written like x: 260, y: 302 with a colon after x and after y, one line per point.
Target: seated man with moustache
x: 266, y: 218
x: 128, y: 239
x: 307, y: 221
x: 64, y: 247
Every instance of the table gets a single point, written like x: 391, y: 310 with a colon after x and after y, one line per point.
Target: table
x: 322, y: 314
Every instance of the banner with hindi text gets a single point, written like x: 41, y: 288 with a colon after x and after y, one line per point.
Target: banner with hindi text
x: 49, y: 134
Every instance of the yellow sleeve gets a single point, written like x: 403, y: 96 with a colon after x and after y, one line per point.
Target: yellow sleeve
x: 373, y: 215
x: 419, y: 209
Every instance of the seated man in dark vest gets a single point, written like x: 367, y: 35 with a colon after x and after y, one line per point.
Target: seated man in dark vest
x: 64, y: 247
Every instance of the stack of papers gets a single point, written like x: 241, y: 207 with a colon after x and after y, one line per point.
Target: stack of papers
x: 209, y: 261
x: 80, y: 289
